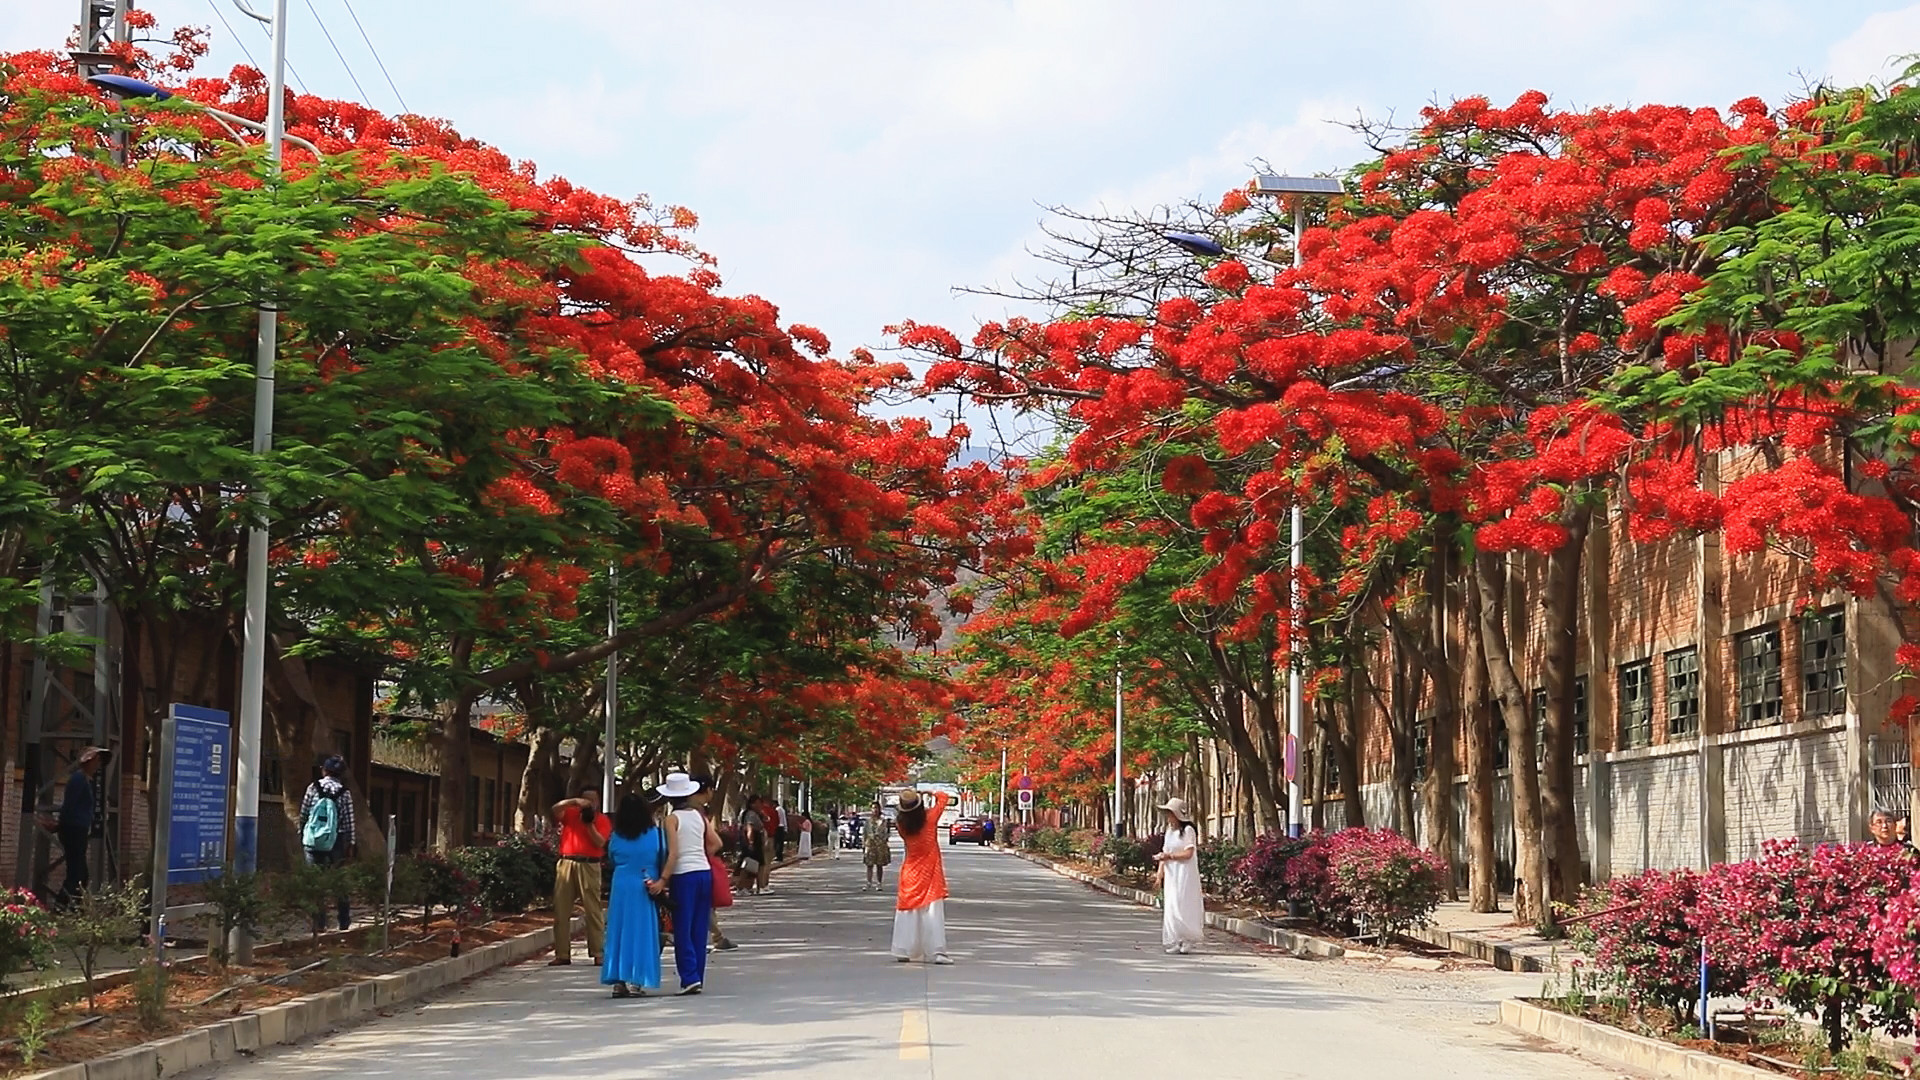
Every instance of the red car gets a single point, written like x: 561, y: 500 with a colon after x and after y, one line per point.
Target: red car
x: 971, y: 829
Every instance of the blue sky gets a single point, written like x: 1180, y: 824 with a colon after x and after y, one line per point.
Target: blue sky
x: 853, y: 162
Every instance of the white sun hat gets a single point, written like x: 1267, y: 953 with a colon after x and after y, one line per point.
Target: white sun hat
x: 678, y: 786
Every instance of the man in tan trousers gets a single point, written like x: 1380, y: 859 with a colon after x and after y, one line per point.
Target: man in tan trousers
x: 584, y: 832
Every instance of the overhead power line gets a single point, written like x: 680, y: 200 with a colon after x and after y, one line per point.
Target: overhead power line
x: 376, y: 56
x: 328, y: 34
x: 237, y: 39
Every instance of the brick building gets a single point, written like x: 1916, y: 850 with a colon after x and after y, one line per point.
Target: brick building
x: 50, y: 711
x: 1719, y: 703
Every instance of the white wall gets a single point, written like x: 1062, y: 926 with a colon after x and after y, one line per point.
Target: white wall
x: 1783, y: 782
x: 1794, y: 786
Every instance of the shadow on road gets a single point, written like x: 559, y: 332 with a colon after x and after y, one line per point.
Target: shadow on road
x: 812, y: 986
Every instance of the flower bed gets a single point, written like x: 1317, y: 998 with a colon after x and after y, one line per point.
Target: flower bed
x: 199, y: 992
x: 1349, y: 881
x: 1822, y: 943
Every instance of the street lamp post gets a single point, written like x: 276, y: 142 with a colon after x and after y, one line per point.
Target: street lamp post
x: 253, y: 657
x: 1303, y: 187
x: 1119, y: 772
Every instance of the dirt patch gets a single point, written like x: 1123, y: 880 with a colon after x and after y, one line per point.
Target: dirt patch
x: 200, y: 993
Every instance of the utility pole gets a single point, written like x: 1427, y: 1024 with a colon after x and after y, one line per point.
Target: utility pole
x: 613, y: 686
x: 103, y: 24
x: 1119, y: 773
x: 1003, y: 784
x: 253, y: 658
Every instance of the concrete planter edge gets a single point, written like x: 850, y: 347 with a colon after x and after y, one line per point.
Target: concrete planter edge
x: 291, y: 1021
x: 1615, y: 1046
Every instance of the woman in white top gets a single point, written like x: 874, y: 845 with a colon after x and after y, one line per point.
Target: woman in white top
x: 689, y: 877
x: 1183, y: 922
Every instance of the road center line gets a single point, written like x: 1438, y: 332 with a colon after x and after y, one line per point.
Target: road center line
x: 913, y: 1035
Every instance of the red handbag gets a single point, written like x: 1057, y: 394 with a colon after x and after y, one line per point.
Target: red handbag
x: 722, y: 882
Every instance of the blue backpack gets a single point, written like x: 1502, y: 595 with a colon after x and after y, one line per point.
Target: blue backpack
x: 322, y: 831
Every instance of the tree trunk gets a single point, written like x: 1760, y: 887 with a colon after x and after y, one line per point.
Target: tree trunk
x: 585, y: 771
x: 1483, y: 878
x: 1441, y: 762
x: 1318, y: 775
x: 1530, y: 869
x: 1560, y: 825
x: 536, y: 781
x: 456, y: 747
x: 1348, y: 747
x: 1405, y: 703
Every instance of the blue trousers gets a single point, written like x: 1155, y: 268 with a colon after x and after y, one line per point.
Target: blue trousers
x: 692, y: 917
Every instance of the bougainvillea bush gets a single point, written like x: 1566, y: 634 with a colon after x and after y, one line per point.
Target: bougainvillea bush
x: 26, y: 933
x: 1384, y: 879
x: 1264, y: 870
x: 1800, y: 924
x: 1637, y: 931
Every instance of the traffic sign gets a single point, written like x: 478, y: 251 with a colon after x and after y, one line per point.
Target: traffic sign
x: 1026, y: 798
x: 1025, y: 783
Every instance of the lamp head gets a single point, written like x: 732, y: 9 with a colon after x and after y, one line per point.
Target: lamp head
x: 1195, y: 243
x: 126, y: 86
x: 1269, y: 184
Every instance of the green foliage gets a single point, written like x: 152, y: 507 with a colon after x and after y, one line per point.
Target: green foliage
x: 308, y: 891
x: 150, y: 994
x: 239, y: 903
x: 444, y: 884
x: 1055, y: 842
x: 511, y: 875
x: 97, y: 920
x: 1216, y: 859
x: 36, y: 1024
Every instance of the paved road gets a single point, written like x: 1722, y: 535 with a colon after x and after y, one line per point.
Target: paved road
x: 1053, y: 980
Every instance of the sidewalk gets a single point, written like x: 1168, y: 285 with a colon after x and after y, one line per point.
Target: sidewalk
x: 1492, y: 937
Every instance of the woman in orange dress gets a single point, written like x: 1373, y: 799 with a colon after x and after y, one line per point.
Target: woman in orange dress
x: 920, y: 915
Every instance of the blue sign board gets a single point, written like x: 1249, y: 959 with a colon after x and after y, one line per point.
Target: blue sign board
x: 197, y: 813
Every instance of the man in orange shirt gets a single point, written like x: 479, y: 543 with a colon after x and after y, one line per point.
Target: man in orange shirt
x: 584, y: 832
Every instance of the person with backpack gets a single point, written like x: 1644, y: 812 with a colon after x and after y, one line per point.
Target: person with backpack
x: 327, y: 829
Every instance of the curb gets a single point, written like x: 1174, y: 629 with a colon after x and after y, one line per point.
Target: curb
x: 1622, y: 1047
x: 291, y: 1021
x: 1287, y: 940
x: 1504, y: 957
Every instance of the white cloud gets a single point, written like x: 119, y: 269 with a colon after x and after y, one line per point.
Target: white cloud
x: 1872, y: 53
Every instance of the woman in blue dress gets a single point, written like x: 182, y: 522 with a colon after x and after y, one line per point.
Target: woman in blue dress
x: 638, y: 849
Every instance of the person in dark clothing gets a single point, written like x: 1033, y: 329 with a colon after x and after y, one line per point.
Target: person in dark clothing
x: 76, y: 822
x: 327, y: 829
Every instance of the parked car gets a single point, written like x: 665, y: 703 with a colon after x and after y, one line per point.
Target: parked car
x: 970, y: 829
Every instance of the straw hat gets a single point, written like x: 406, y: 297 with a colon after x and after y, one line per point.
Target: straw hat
x: 909, y: 800
x: 1179, y: 808
x: 678, y: 786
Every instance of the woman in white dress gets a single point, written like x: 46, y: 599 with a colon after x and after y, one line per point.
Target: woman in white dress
x: 1183, y: 922
x: 806, y: 835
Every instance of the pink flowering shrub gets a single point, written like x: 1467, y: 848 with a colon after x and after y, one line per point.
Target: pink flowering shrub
x: 1263, y: 871
x: 26, y: 933
x: 1801, y: 925
x: 1896, y: 936
x: 1308, y: 876
x: 1384, y: 879
x: 1637, y: 931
